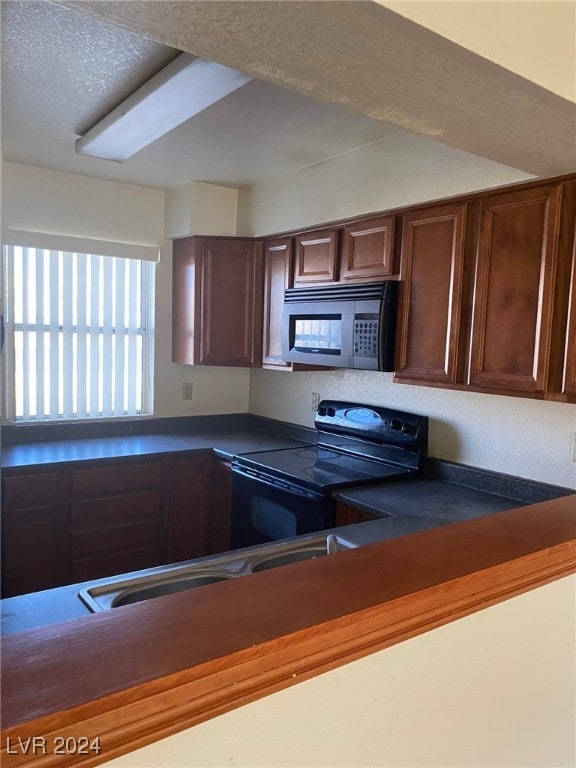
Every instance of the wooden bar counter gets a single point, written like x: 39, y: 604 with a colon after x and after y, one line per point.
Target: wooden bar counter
x: 136, y: 674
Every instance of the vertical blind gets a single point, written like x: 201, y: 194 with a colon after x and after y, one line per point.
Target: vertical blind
x: 80, y: 333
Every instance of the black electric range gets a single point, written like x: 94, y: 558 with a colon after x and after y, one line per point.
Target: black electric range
x: 287, y: 492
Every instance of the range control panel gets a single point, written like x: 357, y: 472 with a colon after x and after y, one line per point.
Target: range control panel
x: 373, y: 423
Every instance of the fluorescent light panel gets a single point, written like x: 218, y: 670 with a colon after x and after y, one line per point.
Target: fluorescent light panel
x: 184, y: 88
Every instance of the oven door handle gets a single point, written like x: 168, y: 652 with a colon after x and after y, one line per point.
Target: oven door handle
x: 277, y: 484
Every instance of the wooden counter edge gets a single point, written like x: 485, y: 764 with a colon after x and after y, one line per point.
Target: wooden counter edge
x: 131, y: 718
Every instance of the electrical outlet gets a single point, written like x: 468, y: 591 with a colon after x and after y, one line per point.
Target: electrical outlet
x: 315, y: 401
x: 187, y: 390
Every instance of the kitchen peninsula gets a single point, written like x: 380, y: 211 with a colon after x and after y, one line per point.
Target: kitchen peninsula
x: 141, y: 682
x: 152, y: 673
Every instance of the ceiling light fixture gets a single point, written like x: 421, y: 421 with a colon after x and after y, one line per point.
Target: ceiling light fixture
x: 184, y: 88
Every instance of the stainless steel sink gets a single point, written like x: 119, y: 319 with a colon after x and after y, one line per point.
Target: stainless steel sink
x: 288, y: 557
x: 156, y: 582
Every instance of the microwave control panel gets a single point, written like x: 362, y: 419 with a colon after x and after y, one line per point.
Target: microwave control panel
x: 366, y: 335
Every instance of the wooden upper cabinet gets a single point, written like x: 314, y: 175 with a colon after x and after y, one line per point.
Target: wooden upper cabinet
x: 569, y: 369
x: 368, y: 250
x: 431, y: 294
x: 316, y: 257
x: 514, y: 290
x: 217, y: 302
x: 278, y: 264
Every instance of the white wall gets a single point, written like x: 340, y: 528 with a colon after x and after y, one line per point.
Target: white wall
x: 198, y: 208
x: 534, y: 39
x: 62, y: 203
x: 491, y: 690
x: 395, y: 172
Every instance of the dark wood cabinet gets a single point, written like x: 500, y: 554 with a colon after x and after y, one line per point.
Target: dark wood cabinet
x: 431, y: 295
x: 346, y: 515
x: 316, y: 257
x: 189, y: 508
x: 484, y: 293
x: 569, y: 360
x: 217, y: 302
x: 117, y: 518
x: 220, y: 507
x: 278, y: 266
x: 35, y: 532
x: 368, y: 250
x: 89, y: 521
x: 514, y: 290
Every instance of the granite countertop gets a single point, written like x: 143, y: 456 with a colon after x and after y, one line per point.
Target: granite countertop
x: 426, y: 499
x: 224, y: 442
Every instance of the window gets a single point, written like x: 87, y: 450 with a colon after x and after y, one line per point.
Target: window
x: 79, y: 334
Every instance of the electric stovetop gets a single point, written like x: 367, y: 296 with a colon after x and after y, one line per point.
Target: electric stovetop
x: 357, y: 444
x: 322, y: 467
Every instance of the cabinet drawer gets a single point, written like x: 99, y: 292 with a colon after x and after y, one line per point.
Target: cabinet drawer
x: 96, y: 481
x: 143, y: 535
x: 31, y: 490
x: 116, y: 510
x: 114, y: 563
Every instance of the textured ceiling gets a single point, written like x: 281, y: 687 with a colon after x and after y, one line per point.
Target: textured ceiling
x: 373, y: 61
x: 63, y: 70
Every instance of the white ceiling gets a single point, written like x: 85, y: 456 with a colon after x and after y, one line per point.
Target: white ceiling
x: 62, y: 71
x: 362, y: 56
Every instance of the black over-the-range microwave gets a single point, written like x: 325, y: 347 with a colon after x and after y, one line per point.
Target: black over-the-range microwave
x: 341, y: 326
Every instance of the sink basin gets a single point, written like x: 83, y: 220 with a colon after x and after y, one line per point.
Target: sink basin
x: 136, y: 595
x: 287, y: 558
x: 167, y: 580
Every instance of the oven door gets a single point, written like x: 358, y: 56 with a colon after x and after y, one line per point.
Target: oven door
x: 266, y: 509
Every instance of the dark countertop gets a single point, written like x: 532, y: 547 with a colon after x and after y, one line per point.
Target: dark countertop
x: 225, y: 442
x: 423, y: 498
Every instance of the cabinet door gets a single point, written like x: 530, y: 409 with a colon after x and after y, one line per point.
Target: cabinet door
x: 368, y: 250
x: 35, y: 540
x: 316, y: 258
x: 431, y: 295
x: 569, y: 373
x: 277, y: 277
x: 513, y: 292
x: 221, y: 507
x: 189, y: 509
x: 217, y: 302
x: 117, y: 518
x: 185, y: 297
x: 229, y: 314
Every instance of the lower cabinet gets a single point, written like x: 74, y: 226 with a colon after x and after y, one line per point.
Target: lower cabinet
x: 35, y: 525
x: 346, y: 515
x: 221, y: 507
x: 116, y: 519
x: 110, y: 517
x: 189, y: 508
